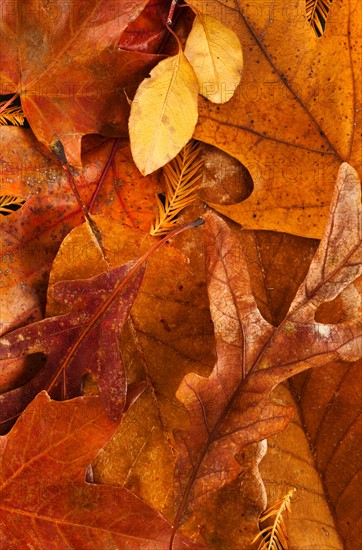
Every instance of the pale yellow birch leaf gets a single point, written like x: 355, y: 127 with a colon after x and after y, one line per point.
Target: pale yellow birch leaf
x: 163, y: 113
x: 216, y: 56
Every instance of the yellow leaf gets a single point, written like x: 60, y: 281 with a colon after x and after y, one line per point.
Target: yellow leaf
x: 215, y: 54
x: 164, y: 113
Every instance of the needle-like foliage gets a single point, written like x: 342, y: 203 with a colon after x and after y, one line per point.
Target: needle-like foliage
x: 182, y: 177
x: 274, y: 536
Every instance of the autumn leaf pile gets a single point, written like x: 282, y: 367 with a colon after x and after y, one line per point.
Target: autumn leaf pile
x: 181, y: 260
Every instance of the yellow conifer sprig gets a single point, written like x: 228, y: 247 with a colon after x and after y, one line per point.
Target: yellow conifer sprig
x: 274, y: 536
x: 9, y: 200
x: 12, y: 115
x: 182, y: 177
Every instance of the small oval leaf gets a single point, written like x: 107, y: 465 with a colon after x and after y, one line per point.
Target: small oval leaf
x: 163, y: 113
x: 216, y: 56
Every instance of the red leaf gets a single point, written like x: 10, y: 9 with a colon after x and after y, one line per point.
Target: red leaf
x: 231, y: 408
x: 64, y: 61
x: 44, y: 499
x: 83, y: 340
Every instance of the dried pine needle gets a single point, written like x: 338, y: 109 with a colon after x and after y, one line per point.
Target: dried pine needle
x: 274, y: 536
x: 317, y: 13
x: 10, y: 203
x: 12, y: 115
x: 182, y: 177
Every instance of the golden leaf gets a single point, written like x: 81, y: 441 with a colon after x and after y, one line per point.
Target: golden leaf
x: 163, y: 113
x: 12, y: 115
x: 216, y: 56
x: 7, y: 203
x: 182, y: 177
x: 317, y: 13
x: 274, y: 536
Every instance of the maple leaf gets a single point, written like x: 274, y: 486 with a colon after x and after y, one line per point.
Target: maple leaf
x: 295, y: 116
x: 44, y: 498
x: 83, y: 340
x: 231, y: 408
x: 65, y: 63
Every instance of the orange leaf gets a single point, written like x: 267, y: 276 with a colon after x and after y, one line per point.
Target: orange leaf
x: 296, y: 114
x: 45, y: 498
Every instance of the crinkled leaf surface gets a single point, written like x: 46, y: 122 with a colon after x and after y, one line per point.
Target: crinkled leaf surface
x: 168, y: 333
x: 296, y: 114
x: 215, y: 54
x: 163, y: 113
x: 30, y: 237
x: 231, y: 408
x: 64, y: 61
x: 45, y: 500
x: 85, y: 339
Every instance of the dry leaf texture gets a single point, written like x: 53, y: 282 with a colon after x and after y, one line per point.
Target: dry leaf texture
x: 163, y: 113
x: 215, y: 54
x: 64, y: 61
x: 45, y: 501
x: 296, y: 114
x: 231, y: 408
x: 83, y: 340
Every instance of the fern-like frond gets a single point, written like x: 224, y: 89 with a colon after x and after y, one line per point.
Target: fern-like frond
x: 12, y: 115
x: 182, y: 177
x: 317, y: 13
x: 10, y: 203
x: 274, y: 536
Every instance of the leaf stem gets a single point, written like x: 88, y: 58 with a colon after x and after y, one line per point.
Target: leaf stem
x: 9, y: 102
x: 120, y: 286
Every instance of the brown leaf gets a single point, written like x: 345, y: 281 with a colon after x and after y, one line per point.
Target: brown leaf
x: 330, y: 405
x: 65, y: 63
x: 231, y: 408
x: 45, y: 499
x: 168, y: 334
x: 296, y: 114
x: 288, y: 463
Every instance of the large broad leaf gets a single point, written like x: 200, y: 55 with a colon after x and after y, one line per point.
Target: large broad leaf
x: 109, y: 184
x: 296, y: 114
x: 231, y: 409
x: 65, y: 63
x: 85, y: 339
x: 168, y: 333
x: 45, y: 500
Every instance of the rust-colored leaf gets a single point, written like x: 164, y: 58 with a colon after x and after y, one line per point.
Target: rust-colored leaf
x: 65, y: 63
x: 109, y: 184
x: 231, y: 408
x: 45, y: 500
x: 296, y: 114
x: 168, y: 333
x: 85, y: 339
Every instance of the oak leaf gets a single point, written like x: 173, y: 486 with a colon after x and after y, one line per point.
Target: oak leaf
x: 215, y: 54
x: 295, y: 116
x: 232, y: 408
x: 65, y: 63
x: 46, y: 501
x: 85, y: 339
x: 163, y: 113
